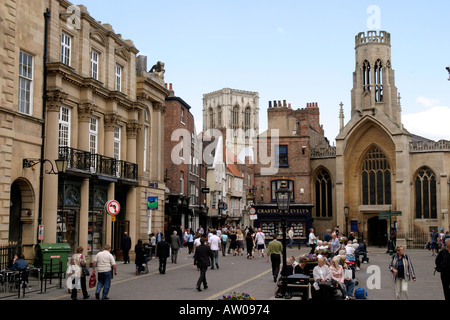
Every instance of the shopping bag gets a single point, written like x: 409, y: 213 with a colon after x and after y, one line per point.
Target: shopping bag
x: 92, y: 280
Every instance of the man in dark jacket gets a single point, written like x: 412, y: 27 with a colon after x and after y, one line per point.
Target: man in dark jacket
x: 202, y: 257
x: 162, y: 252
x: 126, y: 246
x: 443, y: 263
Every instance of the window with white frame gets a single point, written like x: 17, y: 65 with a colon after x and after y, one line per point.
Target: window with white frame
x: 117, y: 133
x: 64, y: 127
x: 93, y: 135
x: 182, y: 115
x: 25, y: 82
x: 94, y: 64
x: 66, y: 48
x: 181, y: 182
x: 118, y: 77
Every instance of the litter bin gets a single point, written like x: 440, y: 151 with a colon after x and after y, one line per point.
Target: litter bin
x: 51, y: 255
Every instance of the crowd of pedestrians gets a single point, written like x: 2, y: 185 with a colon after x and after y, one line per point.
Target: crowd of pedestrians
x: 332, y: 261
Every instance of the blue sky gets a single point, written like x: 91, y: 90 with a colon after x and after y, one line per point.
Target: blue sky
x: 299, y: 51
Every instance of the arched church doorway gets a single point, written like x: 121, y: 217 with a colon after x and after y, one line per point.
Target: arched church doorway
x: 377, y: 232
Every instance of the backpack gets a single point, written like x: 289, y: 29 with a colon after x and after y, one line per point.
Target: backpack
x: 360, y: 293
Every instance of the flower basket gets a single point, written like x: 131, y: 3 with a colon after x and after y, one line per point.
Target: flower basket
x: 237, y: 296
x: 311, y: 258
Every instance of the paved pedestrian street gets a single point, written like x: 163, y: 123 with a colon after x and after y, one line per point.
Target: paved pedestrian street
x: 251, y: 276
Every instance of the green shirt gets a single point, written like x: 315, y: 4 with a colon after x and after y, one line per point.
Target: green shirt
x: 274, y: 247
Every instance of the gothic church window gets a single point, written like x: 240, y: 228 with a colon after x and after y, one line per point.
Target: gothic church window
x: 235, y: 120
x: 366, y: 75
x: 376, y: 178
x: 378, y: 72
x: 323, y: 194
x: 425, y: 194
x: 247, y: 122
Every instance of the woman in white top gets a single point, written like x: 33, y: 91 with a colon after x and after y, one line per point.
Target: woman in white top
x: 322, y: 274
x: 312, y: 241
x: 77, y: 279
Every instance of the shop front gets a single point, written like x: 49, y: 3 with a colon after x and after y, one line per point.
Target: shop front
x: 269, y: 218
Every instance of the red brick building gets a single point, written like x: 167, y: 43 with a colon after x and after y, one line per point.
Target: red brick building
x: 284, y: 155
x: 184, y: 171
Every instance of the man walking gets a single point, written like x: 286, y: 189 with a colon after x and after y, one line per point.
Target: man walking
x: 214, y: 244
x: 175, y: 244
x: 162, y: 252
x: 260, y: 238
x: 274, y: 250
x: 202, y: 257
x: 291, y: 237
x: 126, y: 246
x: 104, y: 262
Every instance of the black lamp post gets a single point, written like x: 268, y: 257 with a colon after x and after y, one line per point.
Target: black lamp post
x: 283, y: 196
x: 448, y: 69
x: 346, y: 213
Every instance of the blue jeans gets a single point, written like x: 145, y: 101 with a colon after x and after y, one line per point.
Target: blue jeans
x: 350, y: 285
x: 104, y: 281
x: 215, y: 258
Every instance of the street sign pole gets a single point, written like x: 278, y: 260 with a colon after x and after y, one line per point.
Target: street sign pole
x: 388, y: 215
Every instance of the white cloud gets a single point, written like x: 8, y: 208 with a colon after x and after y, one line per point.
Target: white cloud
x: 427, y: 102
x: 280, y: 29
x: 432, y: 123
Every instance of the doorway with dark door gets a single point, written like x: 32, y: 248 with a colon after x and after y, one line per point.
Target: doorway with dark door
x: 377, y: 232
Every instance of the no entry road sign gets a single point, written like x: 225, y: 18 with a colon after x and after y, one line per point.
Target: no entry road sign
x: 112, y: 207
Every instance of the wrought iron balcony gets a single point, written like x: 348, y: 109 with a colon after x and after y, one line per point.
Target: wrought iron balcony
x: 95, y: 164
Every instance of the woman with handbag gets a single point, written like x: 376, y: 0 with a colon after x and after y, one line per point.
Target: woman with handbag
x: 81, y: 272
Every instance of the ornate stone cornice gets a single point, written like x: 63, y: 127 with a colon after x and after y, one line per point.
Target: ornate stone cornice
x: 54, y: 100
x: 86, y: 110
x: 133, y: 129
x: 111, y: 121
x: 159, y: 106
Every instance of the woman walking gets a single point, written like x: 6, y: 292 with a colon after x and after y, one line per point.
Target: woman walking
x: 77, y: 263
x: 249, y: 244
x: 240, y: 242
x: 140, y: 259
x: 402, y: 272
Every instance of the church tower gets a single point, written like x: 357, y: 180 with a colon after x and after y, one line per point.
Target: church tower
x: 235, y: 113
x: 373, y: 80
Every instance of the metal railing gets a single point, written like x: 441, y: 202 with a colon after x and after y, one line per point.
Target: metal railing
x: 7, y: 253
x: 414, y: 240
x: 86, y: 162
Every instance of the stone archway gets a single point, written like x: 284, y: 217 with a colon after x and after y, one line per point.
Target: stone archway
x: 21, y: 212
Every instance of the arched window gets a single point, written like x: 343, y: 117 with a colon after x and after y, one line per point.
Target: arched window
x: 378, y: 72
x: 247, y: 122
x: 211, y: 118
x: 219, y: 116
x: 235, y: 120
x: 376, y: 178
x: 366, y: 75
x: 323, y: 196
x: 425, y: 194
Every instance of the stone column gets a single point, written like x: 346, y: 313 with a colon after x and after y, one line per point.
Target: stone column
x: 84, y: 215
x: 132, y: 131
x: 50, y: 188
x: 110, y: 124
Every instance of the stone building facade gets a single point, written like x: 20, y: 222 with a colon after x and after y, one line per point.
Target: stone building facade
x: 100, y: 113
